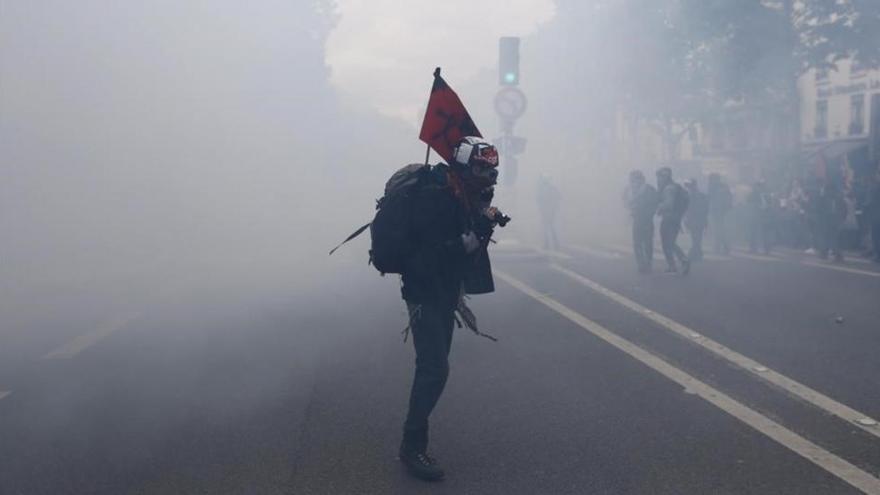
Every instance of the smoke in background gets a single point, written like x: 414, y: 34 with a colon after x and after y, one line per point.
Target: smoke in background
x: 137, y: 138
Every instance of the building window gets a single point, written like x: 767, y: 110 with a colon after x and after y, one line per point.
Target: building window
x: 856, y: 114
x: 822, y: 75
x: 821, y: 130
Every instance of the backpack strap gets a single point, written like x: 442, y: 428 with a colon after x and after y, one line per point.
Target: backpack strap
x: 352, y: 236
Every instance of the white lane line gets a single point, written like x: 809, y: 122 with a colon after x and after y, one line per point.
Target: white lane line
x: 551, y: 253
x: 611, y: 255
x: 791, y: 386
x: 83, y: 342
x: 740, y: 253
x: 849, y: 259
x: 627, y: 250
x: 4, y: 394
x: 787, y: 438
x: 841, y: 268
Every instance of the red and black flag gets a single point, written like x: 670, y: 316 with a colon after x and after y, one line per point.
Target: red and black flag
x: 446, y: 120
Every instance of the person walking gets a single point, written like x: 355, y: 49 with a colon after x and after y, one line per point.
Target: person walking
x: 673, y: 205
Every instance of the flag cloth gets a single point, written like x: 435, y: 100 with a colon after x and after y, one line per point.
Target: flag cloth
x: 446, y: 119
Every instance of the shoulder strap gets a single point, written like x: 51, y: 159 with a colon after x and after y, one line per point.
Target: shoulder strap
x: 352, y: 236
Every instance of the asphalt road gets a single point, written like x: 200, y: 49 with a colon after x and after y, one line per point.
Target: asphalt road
x: 753, y: 375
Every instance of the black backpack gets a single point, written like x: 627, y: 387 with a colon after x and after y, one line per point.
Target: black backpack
x: 390, y: 241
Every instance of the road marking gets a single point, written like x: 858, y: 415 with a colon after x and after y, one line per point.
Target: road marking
x: 743, y: 254
x: 659, y: 256
x: 83, y: 342
x: 785, y: 437
x: 596, y: 252
x: 755, y: 368
x: 841, y: 268
x: 4, y: 394
x: 551, y: 253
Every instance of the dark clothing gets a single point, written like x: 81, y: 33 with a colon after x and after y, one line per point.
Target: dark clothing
x: 760, y: 219
x: 436, y: 274
x: 696, y: 220
x: 435, y: 270
x: 432, y: 328
x: 720, y: 203
x: 670, y: 224
x: 873, y: 217
x: 548, y: 198
x: 643, y: 243
x: 669, y: 229
x: 830, y: 213
x: 642, y: 203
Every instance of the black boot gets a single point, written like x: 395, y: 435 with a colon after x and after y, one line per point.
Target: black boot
x: 420, y: 465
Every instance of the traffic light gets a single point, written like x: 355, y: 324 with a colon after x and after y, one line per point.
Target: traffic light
x: 508, y: 61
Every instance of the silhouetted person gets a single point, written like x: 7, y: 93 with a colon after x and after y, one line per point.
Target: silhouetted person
x: 760, y: 217
x: 673, y: 205
x: 696, y: 219
x: 831, y: 212
x: 873, y: 213
x: 448, y: 234
x: 549, y: 198
x: 641, y: 198
x: 720, y: 203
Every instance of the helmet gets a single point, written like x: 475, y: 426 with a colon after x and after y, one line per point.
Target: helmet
x: 473, y: 150
x: 477, y: 161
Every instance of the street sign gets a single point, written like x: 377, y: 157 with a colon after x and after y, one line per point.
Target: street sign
x: 510, y: 145
x: 510, y: 103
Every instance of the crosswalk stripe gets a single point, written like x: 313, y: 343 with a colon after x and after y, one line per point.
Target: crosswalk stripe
x: 808, y: 450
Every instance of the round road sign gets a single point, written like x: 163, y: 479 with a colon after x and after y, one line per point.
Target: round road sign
x: 510, y: 103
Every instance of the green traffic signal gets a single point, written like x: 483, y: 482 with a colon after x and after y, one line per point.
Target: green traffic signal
x: 510, y: 77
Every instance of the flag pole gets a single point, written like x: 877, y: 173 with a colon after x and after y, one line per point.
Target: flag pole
x: 428, y: 150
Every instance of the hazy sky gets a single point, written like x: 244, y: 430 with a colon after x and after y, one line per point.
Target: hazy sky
x: 384, y: 51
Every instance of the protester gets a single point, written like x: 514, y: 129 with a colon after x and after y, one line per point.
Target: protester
x: 549, y: 199
x: 696, y: 219
x: 831, y: 212
x: 720, y: 203
x: 641, y: 200
x: 673, y: 205
x: 759, y: 205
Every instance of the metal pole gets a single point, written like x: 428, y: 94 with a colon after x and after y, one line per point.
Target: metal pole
x: 427, y: 154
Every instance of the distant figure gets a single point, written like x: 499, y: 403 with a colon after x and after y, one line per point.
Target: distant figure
x: 720, y: 203
x: 641, y: 199
x: 673, y: 205
x: 874, y: 216
x: 549, y: 198
x: 696, y: 219
x: 831, y: 212
x: 760, y: 217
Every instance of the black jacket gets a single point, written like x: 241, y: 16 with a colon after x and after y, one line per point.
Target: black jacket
x: 438, y: 267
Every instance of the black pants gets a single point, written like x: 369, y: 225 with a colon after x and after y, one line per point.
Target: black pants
x: 551, y: 240
x: 432, y: 337
x: 669, y: 229
x: 696, y: 251
x: 829, y: 240
x: 643, y: 242
x: 719, y: 229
